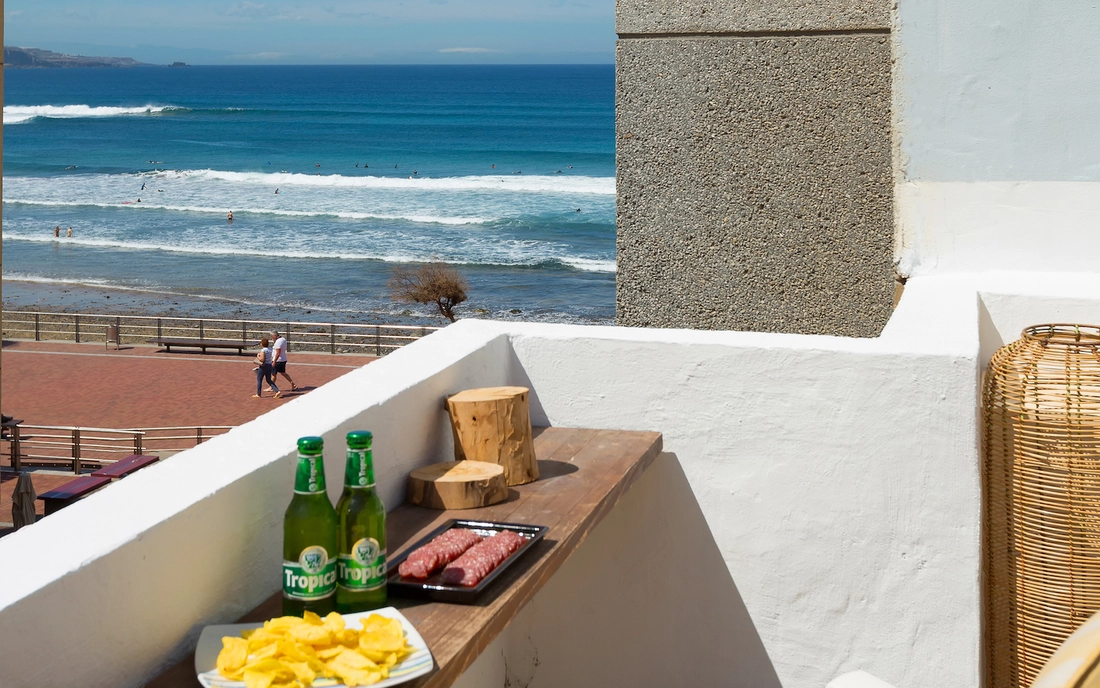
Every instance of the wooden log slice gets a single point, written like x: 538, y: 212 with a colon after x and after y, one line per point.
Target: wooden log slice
x: 493, y: 424
x: 457, y: 485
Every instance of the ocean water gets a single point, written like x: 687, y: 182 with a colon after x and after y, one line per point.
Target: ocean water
x: 334, y: 175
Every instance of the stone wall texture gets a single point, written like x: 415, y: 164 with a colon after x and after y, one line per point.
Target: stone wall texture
x: 755, y: 187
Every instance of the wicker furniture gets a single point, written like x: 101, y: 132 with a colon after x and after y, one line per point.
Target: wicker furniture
x: 1041, y: 474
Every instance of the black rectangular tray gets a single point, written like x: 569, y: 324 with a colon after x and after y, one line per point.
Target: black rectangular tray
x: 433, y: 587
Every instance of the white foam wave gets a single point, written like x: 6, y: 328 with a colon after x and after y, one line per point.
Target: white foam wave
x: 213, y: 249
x: 427, y: 219
x: 589, y: 264
x: 15, y: 114
x: 603, y: 186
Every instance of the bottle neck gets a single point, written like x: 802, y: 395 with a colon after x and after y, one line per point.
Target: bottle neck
x: 359, y: 470
x: 310, y: 476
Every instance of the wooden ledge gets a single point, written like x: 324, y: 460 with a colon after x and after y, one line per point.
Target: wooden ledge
x: 584, y: 474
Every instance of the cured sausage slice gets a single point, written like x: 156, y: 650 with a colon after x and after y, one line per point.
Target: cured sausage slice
x: 442, y: 550
x: 477, y: 562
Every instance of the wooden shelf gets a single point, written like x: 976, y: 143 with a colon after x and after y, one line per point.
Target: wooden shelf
x: 583, y: 473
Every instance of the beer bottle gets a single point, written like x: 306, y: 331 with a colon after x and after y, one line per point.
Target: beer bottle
x: 361, y: 570
x: 309, y: 537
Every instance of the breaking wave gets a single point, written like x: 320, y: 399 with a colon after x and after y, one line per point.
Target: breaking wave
x: 347, y: 215
x: 16, y: 114
x: 604, y: 186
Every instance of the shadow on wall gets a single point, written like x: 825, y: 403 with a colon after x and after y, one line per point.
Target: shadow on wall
x: 516, y: 374
x: 647, y: 600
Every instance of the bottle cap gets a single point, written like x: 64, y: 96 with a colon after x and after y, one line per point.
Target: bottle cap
x: 359, y: 439
x: 311, y: 445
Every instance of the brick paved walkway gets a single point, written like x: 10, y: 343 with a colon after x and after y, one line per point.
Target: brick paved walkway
x: 55, y: 383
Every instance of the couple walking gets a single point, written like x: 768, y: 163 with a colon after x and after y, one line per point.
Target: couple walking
x: 270, y: 363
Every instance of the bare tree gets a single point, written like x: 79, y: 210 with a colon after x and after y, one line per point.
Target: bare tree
x: 430, y: 283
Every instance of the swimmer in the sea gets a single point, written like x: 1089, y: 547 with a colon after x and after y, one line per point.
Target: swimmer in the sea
x: 57, y: 231
x: 69, y: 233
x: 414, y: 173
x: 276, y: 191
x: 494, y: 165
x: 230, y: 217
x: 143, y: 186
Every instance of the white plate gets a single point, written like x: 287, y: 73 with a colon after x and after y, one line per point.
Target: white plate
x: 210, y: 644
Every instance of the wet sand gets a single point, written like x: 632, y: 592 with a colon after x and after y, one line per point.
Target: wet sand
x: 70, y: 298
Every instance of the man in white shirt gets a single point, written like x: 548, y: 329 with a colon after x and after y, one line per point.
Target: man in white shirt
x: 278, y: 358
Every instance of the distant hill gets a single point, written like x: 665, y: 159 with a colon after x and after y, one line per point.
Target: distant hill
x: 35, y: 58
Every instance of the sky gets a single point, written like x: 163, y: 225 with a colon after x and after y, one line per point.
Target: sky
x: 319, y: 31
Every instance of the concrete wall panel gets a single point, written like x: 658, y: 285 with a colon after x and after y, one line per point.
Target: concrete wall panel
x: 720, y: 16
x: 754, y: 183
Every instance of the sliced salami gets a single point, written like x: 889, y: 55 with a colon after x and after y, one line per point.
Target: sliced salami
x: 442, y: 550
x: 477, y: 562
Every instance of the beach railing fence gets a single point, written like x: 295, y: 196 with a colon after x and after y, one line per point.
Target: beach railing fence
x: 78, y: 447
x: 374, y: 339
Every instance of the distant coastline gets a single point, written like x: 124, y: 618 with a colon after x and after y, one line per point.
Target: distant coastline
x: 35, y: 58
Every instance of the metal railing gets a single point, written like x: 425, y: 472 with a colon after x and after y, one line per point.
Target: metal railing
x: 77, y: 447
x: 366, y: 339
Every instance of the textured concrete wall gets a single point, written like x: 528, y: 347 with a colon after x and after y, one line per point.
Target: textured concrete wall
x: 754, y: 166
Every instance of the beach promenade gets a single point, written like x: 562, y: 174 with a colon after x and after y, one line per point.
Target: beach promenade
x: 58, y: 383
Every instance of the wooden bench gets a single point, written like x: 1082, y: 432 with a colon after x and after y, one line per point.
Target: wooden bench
x: 203, y: 344
x: 584, y: 474
x: 64, y: 495
x: 124, y: 467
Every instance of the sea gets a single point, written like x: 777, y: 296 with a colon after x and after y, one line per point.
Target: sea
x: 335, y: 176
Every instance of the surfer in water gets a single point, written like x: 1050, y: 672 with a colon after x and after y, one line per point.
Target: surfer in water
x: 276, y: 191
x: 143, y: 186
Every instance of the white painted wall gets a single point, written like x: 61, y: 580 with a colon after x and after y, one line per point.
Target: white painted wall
x: 842, y: 488
x: 998, y: 148
x: 117, y: 586
x: 817, y: 511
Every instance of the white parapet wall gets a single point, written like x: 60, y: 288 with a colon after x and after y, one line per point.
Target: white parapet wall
x: 817, y: 510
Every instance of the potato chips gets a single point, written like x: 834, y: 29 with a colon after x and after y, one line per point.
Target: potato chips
x: 289, y: 652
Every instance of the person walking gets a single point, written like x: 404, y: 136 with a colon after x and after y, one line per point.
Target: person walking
x: 263, y: 370
x: 279, y: 359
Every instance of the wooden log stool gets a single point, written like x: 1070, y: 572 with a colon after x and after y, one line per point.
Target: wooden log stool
x: 493, y: 425
x: 457, y: 485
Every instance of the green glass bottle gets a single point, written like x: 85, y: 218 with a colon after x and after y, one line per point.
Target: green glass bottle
x: 310, y: 544
x: 361, y: 570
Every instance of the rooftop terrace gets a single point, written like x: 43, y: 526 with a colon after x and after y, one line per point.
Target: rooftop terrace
x: 816, y: 508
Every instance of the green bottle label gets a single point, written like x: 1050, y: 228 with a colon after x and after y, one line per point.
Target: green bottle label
x: 310, y: 478
x: 359, y: 470
x: 364, y: 568
x: 312, y: 577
